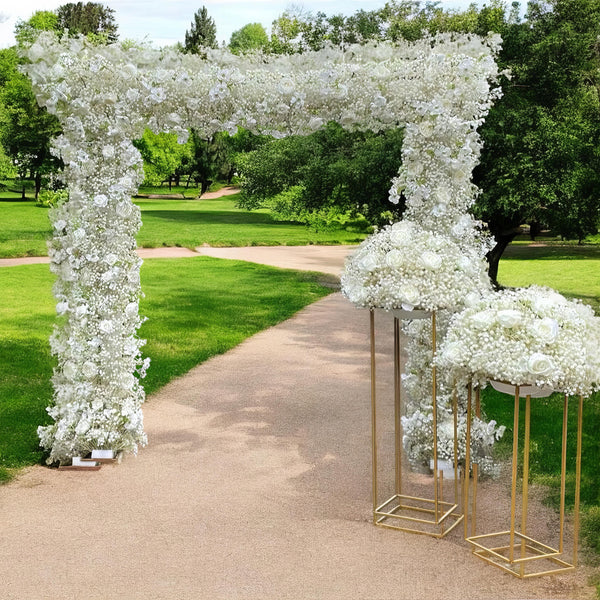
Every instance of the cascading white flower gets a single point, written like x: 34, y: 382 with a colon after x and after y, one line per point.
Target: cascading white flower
x: 104, y: 96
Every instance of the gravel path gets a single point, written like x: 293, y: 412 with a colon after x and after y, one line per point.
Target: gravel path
x: 255, y: 485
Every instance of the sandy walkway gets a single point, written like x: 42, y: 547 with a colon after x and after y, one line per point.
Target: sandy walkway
x: 255, y: 485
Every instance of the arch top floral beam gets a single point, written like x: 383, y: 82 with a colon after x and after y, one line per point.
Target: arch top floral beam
x: 438, y: 89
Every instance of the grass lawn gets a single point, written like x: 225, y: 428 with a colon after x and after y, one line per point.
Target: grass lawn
x: 573, y: 270
x: 186, y: 223
x: 197, y: 308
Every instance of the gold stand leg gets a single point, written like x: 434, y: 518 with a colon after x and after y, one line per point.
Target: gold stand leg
x: 373, y: 414
x: 467, y: 464
x: 513, y: 486
x: 577, y: 481
x: 397, y: 406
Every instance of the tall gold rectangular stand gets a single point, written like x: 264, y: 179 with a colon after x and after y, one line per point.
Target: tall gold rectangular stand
x: 428, y: 516
x: 514, y: 551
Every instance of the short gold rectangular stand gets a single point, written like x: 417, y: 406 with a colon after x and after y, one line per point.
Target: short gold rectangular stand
x: 514, y: 551
x: 428, y: 516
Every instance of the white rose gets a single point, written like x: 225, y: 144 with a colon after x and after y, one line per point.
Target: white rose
x: 79, y: 235
x: 286, y: 86
x: 539, y: 364
x: 482, y: 319
x: 367, y: 263
x: 465, y: 263
x: 69, y: 369
x: 401, y: 233
x: 394, y: 258
x: 431, y: 260
x: 89, y: 369
x: 132, y: 95
x: 315, y: 123
x: 108, y: 151
x: 131, y: 310
x: 82, y: 427
x: 545, y: 329
x: 126, y: 381
x: 60, y: 225
x: 509, y: 318
x: 111, y: 258
x: 379, y: 101
x: 471, y: 299
x: 409, y: 294
x: 453, y: 352
x: 106, y: 326
x: 124, y: 209
x: 100, y: 200
x: 439, y: 210
x: 81, y: 311
x: 62, y: 308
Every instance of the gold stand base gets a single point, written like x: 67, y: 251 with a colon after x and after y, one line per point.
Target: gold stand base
x: 417, y: 515
x: 523, y: 558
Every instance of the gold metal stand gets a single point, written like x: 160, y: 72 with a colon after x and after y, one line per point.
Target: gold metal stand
x: 514, y: 551
x: 428, y: 516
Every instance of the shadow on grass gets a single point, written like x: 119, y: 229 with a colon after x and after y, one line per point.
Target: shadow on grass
x: 552, y: 252
x: 214, y: 217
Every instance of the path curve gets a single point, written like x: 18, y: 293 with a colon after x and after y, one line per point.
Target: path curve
x: 255, y: 486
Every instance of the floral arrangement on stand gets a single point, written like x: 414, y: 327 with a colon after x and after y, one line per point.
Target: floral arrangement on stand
x: 406, y: 266
x: 438, y: 88
x: 528, y: 336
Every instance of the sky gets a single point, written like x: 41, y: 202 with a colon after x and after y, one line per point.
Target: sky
x: 164, y: 22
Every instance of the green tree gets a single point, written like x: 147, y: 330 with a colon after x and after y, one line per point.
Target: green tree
x: 250, y: 37
x: 26, y: 130
x: 42, y: 20
x: 164, y: 159
x: 91, y: 19
x: 540, y: 162
x: 202, y: 33
x: 330, y: 172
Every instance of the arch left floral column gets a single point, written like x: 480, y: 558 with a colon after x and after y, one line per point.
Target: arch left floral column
x: 97, y: 396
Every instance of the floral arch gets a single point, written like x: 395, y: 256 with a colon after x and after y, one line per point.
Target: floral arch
x: 438, y: 89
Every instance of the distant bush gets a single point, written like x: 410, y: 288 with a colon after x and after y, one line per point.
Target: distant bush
x: 51, y: 198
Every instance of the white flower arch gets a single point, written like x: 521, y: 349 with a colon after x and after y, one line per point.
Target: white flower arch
x: 438, y: 89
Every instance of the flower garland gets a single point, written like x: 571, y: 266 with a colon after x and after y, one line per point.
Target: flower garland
x: 529, y: 336
x: 437, y: 88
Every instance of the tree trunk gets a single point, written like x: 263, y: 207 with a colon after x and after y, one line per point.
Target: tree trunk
x: 503, y: 239
x: 38, y: 184
x: 205, y: 184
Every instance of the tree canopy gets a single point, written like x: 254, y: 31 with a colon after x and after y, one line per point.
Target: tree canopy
x: 250, y: 37
x: 201, y: 34
x: 89, y: 18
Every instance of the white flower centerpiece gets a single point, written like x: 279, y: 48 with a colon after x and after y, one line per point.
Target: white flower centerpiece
x: 404, y: 266
x: 529, y: 336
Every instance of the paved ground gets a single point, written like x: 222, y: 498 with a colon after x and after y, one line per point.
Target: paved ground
x: 255, y: 485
